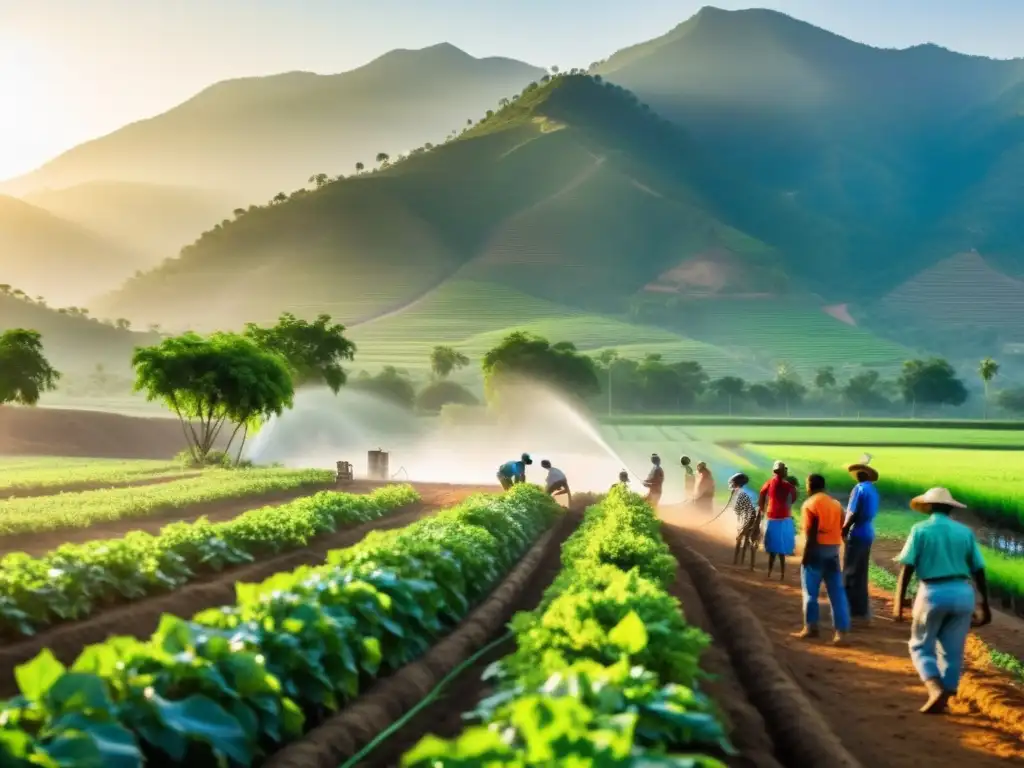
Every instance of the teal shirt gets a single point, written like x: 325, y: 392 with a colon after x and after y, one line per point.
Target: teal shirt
x: 940, y: 548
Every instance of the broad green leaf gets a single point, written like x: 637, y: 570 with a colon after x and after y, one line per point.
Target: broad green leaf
x: 115, y: 744
x: 74, y: 749
x: 35, y: 677
x: 78, y: 692
x: 202, y: 719
x: 371, y: 655
x: 630, y: 634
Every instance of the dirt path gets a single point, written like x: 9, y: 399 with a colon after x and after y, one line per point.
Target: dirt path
x: 34, y: 492
x: 868, y: 691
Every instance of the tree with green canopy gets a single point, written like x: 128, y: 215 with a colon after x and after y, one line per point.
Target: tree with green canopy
x: 444, y: 360
x: 932, y: 382
x: 987, y: 370
x: 314, y: 351
x: 522, y: 355
x: 729, y: 388
x: 214, y: 381
x: 25, y: 373
x: 389, y: 384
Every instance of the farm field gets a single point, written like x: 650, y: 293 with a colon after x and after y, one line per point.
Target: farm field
x: 83, y: 510
x: 859, y: 436
x: 17, y: 475
x: 989, y: 481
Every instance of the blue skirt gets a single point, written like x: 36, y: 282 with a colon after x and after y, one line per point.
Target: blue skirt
x: 780, y: 537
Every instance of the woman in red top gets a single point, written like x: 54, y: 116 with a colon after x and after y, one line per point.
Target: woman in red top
x: 776, y: 502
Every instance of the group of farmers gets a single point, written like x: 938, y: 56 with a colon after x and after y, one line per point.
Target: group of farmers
x: 943, y: 553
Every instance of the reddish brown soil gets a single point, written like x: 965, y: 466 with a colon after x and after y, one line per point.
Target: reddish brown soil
x: 55, y: 490
x: 56, y: 432
x: 216, y: 511
x: 868, y: 691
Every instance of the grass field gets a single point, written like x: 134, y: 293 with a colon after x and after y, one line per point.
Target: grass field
x: 52, y: 473
x: 989, y: 481
x: 80, y: 510
x: 860, y: 436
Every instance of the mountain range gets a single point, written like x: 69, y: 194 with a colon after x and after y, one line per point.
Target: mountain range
x: 745, y: 164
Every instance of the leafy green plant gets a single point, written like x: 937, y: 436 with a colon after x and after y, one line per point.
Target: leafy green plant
x: 75, y: 580
x: 32, y: 476
x: 80, y: 510
x: 236, y: 682
x: 585, y: 685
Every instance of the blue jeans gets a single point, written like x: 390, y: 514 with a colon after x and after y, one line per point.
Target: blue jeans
x: 942, y: 621
x: 825, y: 569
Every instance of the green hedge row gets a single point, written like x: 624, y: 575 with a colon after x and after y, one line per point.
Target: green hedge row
x: 235, y: 683
x: 606, y: 670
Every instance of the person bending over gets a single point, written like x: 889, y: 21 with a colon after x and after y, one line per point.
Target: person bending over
x: 512, y: 472
x: 748, y: 521
x: 556, y: 483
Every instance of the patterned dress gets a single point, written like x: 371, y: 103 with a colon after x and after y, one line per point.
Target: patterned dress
x: 746, y: 513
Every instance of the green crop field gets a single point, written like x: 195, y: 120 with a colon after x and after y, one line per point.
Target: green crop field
x: 989, y: 481
x: 53, y: 473
x: 80, y: 510
x: 859, y: 436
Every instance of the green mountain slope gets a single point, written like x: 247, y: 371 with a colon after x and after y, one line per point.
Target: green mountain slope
x: 909, y: 155
x: 150, y: 219
x: 73, y: 344
x: 259, y: 135
x: 45, y: 255
x: 573, y: 192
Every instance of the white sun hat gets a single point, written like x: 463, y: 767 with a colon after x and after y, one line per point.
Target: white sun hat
x: 923, y: 503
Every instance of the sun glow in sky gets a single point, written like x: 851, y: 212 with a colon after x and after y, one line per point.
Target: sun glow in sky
x: 72, y: 70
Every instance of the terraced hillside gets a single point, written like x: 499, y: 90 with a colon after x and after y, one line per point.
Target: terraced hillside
x: 523, y: 198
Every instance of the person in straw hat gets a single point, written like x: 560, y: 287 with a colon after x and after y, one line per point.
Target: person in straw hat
x: 945, y: 556
x: 775, y: 503
x: 859, y: 534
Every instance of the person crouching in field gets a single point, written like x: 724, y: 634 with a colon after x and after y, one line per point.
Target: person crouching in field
x: 776, y: 502
x: 512, y: 472
x: 748, y: 521
x: 556, y: 483
x: 655, y: 481
x: 823, y: 532
x: 623, y: 481
x: 704, y: 488
x: 946, y: 557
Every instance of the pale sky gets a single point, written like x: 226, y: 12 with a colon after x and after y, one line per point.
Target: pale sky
x: 71, y: 70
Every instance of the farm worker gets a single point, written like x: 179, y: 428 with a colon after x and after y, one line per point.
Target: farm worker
x: 704, y: 488
x: 823, y: 535
x: 945, y: 556
x: 512, y: 472
x: 556, y: 483
x: 748, y: 521
x: 859, y: 533
x: 623, y: 481
x: 655, y: 480
x: 776, y: 502
x: 688, y: 478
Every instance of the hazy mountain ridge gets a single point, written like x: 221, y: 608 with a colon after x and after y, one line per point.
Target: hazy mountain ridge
x: 259, y: 135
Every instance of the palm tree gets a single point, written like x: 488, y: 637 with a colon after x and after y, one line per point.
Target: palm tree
x: 359, y: 167
x: 444, y: 360
x: 987, y: 369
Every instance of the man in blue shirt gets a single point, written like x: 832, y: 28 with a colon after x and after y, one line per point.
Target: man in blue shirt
x: 512, y: 472
x: 859, y: 534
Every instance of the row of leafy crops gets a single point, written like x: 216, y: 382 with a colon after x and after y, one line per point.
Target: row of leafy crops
x: 74, y: 581
x: 236, y: 682
x: 60, y: 472
x: 80, y: 510
x: 588, y: 683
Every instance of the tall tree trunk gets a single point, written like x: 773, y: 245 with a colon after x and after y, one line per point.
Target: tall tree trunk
x: 245, y: 433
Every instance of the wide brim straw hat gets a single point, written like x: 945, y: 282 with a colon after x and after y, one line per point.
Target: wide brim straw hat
x: 923, y: 503
x: 862, y: 466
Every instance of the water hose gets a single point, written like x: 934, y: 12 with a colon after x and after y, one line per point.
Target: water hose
x: 731, y: 497
x: 434, y: 693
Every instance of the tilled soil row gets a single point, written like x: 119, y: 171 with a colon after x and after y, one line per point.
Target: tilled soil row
x: 801, y: 735
x: 37, y: 544
x: 141, y: 618
x: 342, y: 736
x: 747, y: 729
